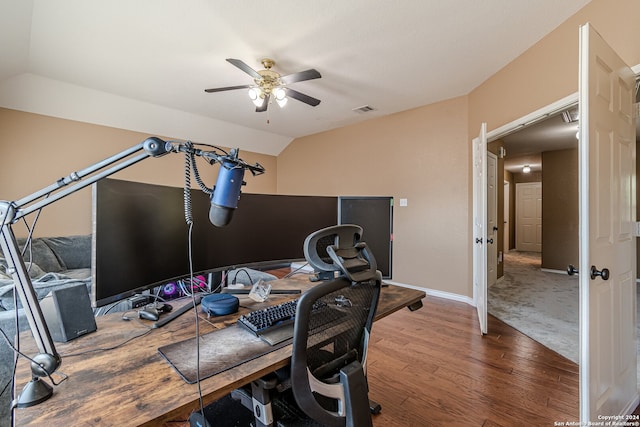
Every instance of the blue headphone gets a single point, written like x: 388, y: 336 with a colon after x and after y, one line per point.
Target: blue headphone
x: 220, y: 304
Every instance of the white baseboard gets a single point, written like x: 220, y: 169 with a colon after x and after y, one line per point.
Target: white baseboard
x: 436, y: 293
x: 550, y: 270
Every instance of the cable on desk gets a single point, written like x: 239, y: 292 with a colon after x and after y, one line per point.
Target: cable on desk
x: 6, y: 386
x: 197, y: 320
x: 6, y: 338
x: 190, y: 164
x: 242, y: 270
x: 94, y: 350
x: 291, y: 273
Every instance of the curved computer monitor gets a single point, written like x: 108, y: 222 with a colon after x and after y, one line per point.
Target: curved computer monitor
x: 140, y: 237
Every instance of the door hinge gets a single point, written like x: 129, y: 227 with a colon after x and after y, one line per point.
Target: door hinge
x: 636, y: 229
x: 636, y: 110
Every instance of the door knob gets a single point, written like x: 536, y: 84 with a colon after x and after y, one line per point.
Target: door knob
x: 478, y: 239
x: 495, y: 228
x: 490, y: 241
x: 571, y: 270
x: 604, y: 273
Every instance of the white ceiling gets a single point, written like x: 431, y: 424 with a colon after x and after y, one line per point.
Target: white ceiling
x: 525, y: 146
x: 144, y: 64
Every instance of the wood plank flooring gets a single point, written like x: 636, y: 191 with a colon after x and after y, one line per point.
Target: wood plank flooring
x: 433, y: 368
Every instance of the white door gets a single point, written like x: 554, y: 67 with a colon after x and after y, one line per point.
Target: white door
x: 607, y: 212
x: 492, y: 219
x: 506, y: 245
x: 529, y: 216
x: 480, y: 226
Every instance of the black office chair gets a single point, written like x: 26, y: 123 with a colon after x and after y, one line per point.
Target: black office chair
x: 328, y: 384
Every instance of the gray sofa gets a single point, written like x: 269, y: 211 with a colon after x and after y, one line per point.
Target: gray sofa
x: 54, y: 263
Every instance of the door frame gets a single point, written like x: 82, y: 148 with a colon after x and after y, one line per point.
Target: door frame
x: 506, y: 237
x: 492, y: 219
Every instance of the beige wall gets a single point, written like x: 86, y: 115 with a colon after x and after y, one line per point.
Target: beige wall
x: 560, y: 209
x: 38, y: 150
x: 419, y: 155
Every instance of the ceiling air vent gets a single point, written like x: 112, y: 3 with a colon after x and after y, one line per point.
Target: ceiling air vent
x: 363, y: 109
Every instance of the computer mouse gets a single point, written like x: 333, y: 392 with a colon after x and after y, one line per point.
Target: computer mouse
x: 149, y: 314
x: 164, y: 308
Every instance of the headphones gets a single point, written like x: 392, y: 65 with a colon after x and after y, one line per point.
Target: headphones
x: 219, y: 304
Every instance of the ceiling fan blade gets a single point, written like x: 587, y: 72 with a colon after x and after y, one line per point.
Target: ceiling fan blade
x: 264, y: 105
x: 222, y: 89
x: 244, y: 67
x: 301, y: 97
x: 301, y: 76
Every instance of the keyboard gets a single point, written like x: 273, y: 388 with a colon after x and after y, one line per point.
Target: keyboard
x: 265, y: 322
x: 272, y: 317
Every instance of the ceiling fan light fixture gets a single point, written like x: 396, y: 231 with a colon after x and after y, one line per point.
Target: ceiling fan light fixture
x: 281, y: 96
x: 256, y: 96
x: 279, y: 93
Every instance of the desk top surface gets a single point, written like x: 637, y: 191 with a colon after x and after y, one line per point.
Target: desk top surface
x: 117, y: 377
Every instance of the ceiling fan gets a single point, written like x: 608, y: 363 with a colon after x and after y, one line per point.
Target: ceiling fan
x: 269, y: 83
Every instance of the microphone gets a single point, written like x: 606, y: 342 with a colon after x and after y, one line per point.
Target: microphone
x: 226, y: 193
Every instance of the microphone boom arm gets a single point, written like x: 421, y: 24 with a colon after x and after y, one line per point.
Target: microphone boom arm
x: 49, y: 360
x: 213, y: 157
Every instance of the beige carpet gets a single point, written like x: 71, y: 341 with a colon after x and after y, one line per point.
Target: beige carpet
x: 542, y: 305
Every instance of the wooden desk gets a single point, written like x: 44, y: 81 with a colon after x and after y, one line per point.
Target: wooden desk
x: 133, y: 385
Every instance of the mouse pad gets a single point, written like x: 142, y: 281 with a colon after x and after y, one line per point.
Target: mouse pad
x: 219, y: 350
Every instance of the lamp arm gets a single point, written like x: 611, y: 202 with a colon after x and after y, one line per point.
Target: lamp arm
x: 49, y: 360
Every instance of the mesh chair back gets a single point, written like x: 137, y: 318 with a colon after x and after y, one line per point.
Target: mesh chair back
x: 332, y: 327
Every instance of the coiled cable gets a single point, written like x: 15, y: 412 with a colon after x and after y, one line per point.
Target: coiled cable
x: 188, y: 214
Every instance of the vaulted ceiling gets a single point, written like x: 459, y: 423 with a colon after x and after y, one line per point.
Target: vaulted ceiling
x: 144, y: 64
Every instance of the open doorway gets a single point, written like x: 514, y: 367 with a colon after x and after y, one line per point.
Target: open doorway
x: 534, y: 293
x: 546, y: 154
x: 547, y: 270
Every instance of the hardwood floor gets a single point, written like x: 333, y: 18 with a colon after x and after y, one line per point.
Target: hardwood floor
x: 433, y: 368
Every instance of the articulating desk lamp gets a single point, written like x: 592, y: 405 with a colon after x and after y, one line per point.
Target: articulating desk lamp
x: 224, y: 200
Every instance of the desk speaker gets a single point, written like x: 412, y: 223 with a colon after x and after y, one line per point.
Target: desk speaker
x: 68, y: 313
